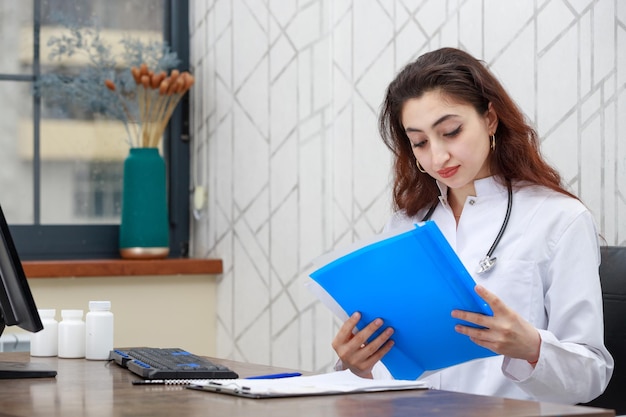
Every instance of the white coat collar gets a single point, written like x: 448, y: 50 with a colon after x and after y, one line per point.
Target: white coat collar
x: 484, y: 187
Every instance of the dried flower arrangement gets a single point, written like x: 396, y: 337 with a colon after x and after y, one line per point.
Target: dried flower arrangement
x: 132, y: 86
x: 156, y: 96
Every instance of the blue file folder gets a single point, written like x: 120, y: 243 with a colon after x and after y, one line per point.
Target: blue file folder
x: 412, y: 281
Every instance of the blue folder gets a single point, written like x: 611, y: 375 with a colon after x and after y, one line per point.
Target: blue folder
x: 412, y: 281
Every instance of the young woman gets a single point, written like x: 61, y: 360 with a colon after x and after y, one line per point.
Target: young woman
x: 466, y: 158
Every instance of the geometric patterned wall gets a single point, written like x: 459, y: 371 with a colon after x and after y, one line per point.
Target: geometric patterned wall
x: 285, y: 137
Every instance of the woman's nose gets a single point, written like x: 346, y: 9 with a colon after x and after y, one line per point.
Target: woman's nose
x: 439, y: 154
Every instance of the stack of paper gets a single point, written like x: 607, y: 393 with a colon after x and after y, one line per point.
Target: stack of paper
x: 412, y: 281
x: 342, y: 382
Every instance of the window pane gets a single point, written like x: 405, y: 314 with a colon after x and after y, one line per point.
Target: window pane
x: 126, y: 15
x: 82, y: 149
x: 16, y: 167
x: 16, y: 40
x: 81, y: 170
x: 16, y: 162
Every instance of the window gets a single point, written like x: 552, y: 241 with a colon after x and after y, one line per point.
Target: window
x: 61, y: 166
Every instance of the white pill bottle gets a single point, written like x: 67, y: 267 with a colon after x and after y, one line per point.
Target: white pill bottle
x: 46, y: 342
x: 98, y: 331
x: 72, y: 334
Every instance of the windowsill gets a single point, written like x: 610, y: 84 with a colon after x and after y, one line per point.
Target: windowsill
x: 121, y: 267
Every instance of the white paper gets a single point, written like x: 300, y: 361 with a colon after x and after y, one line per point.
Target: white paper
x: 340, y: 382
x: 326, y: 299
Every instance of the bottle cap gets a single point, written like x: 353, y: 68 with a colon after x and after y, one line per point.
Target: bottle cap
x: 99, y: 305
x: 72, y: 314
x: 47, y: 312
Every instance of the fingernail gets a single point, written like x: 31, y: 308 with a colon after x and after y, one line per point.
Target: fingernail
x: 378, y: 322
x: 356, y: 315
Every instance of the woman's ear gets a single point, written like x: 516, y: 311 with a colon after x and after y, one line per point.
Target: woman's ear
x: 491, y: 119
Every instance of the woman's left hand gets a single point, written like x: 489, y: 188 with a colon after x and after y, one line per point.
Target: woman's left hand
x: 505, y: 333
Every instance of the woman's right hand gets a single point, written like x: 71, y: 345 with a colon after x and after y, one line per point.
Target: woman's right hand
x: 354, y: 351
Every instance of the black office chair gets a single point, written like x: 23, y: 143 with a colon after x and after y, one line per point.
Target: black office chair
x: 613, y: 279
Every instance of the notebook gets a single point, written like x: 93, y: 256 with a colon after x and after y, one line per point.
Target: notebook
x: 333, y: 383
x: 412, y: 280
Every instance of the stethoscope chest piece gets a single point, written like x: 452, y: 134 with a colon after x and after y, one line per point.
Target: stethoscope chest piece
x: 486, y: 264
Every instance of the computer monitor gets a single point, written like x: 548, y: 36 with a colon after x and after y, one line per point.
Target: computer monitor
x: 17, y: 306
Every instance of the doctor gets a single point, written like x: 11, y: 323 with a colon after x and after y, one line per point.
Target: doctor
x: 466, y: 158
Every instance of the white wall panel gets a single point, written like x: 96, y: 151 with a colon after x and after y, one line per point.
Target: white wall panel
x: 285, y: 128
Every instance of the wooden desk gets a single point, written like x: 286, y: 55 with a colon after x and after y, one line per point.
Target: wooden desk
x: 94, y: 388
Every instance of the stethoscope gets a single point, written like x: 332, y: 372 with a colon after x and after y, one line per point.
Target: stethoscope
x: 489, y: 261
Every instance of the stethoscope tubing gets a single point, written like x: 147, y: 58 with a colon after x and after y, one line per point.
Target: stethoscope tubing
x: 505, y: 222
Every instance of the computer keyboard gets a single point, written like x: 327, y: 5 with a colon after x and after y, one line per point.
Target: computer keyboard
x: 169, y: 363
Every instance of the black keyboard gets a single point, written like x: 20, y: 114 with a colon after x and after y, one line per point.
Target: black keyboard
x: 169, y: 363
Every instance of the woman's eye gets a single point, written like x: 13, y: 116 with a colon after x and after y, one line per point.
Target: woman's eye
x: 419, y: 144
x: 454, y: 133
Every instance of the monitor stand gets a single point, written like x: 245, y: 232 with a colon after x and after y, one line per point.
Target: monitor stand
x: 13, y: 370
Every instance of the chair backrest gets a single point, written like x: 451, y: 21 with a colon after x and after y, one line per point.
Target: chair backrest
x: 613, y: 279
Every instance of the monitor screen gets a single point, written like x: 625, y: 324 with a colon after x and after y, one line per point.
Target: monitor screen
x: 17, y: 306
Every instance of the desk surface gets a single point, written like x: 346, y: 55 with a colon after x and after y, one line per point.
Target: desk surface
x: 95, y: 388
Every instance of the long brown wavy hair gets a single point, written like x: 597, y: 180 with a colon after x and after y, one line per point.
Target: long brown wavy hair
x: 464, y: 79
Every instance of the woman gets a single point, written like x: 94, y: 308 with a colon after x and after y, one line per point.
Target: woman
x: 466, y: 158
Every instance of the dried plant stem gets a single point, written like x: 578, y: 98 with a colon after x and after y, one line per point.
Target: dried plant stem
x: 133, y: 137
x: 154, y: 117
x: 171, y: 105
x: 144, y: 105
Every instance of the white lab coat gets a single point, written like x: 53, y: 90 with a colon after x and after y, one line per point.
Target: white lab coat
x: 547, y: 271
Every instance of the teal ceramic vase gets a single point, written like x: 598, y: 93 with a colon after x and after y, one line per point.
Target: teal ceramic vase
x: 144, y: 227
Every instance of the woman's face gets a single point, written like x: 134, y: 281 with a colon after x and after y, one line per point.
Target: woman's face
x: 450, y: 140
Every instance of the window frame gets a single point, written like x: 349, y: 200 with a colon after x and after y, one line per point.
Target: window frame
x: 50, y: 242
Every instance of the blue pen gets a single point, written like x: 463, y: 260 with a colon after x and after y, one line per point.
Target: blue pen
x: 275, y: 376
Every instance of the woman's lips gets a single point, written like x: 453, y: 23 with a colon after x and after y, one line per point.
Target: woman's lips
x: 448, y: 172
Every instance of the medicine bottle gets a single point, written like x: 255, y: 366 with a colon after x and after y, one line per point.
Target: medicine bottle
x: 99, y: 330
x: 72, y: 334
x: 46, y: 342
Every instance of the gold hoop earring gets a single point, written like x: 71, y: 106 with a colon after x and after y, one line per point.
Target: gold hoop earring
x: 419, y: 167
x: 493, y: 142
